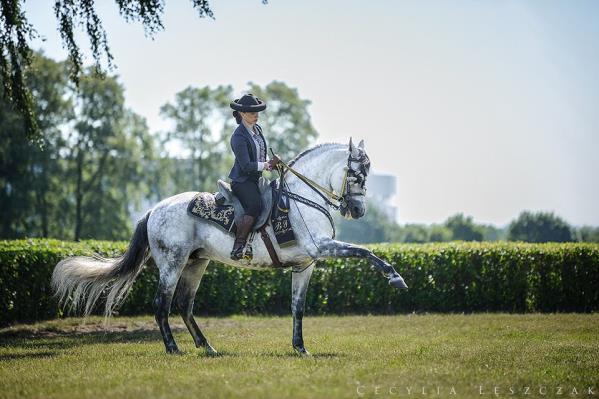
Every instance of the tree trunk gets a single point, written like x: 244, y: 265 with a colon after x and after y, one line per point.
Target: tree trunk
x: 79, y: 196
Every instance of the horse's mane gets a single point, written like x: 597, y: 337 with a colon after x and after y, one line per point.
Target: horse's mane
x: 319, y: 147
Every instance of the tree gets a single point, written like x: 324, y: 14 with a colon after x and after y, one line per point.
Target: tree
x: 16, y: 33
x: 587, y: 234
x: 91, y: 159
x: 29, y: 174
x: 438, y: 233
x: 463, y: 228
x: 200, y: 119
x: 492, y: 233
x: 286, y: 121
x: 373, y: 227
x: 202, y: 125
x: 106, y: 144
x: 539, y: 227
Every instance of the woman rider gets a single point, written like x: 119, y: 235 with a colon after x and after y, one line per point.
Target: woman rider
x: 249, y: 147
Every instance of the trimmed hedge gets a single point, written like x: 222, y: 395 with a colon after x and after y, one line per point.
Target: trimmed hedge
x: 447, y: 277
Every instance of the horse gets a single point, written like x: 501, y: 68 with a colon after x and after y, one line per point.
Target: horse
x: 181, y: 246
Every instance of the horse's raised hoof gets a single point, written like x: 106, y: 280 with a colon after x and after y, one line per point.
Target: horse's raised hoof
x: 398, y: 282
x: 301, y: 351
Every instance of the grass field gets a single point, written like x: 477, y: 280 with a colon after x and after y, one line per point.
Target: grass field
x: 352, y: 357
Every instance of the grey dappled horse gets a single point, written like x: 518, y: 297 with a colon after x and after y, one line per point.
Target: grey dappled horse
x: 182, y: 245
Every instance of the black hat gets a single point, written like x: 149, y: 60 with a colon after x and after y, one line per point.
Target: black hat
x: 248, y: 103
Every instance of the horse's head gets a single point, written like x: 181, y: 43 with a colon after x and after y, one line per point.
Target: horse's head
x: 353, y: 188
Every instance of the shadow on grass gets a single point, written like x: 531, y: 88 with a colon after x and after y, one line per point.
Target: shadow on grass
x: 62, y: 341
x: 52, y: 342
x: 36, y: 355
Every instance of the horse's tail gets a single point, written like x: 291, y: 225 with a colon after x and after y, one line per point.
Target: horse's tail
x: 82, y: 279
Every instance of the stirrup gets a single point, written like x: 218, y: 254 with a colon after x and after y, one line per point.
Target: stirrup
x: 237, y: 254
x: 248, y: 254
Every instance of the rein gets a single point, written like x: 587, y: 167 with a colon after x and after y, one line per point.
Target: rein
x: 313, y: 204
x: 330, y: 195
x: 327, y: 195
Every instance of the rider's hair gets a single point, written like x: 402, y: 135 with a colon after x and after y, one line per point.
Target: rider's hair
x: 237, y: 116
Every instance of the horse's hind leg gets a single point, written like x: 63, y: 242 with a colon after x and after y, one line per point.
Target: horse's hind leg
x: 184, y: 297
x: 171, y: 265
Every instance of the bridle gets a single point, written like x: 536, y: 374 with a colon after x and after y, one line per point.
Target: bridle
x: 356, y: 171
x: 356, y: 174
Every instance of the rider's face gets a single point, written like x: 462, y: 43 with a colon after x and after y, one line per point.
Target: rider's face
x: 249, y: 117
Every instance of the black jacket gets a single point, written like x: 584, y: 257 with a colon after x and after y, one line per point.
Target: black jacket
x: 244, y: 148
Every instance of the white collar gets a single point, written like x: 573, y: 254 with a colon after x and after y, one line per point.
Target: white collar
x: 249, y: 128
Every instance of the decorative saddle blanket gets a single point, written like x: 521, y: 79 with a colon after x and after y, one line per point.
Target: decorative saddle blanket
x: 206, y: 206
x: 203, y: 205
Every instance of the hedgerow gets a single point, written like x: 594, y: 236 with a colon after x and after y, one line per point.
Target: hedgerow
x: 445, y: 277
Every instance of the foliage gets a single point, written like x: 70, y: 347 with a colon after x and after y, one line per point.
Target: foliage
x: 587, y: 234
x: 286, y: 122
x: 374, y: 226
x: 15, y: 57
x: 539, y: 227
x: 16, y: 32
x: 463, y: 228
x: 98, y: 164
x: 201, y: 122
x: 88, y: 170
x: 448, y: 277
x: 439, y: 233
x: 29, y: 173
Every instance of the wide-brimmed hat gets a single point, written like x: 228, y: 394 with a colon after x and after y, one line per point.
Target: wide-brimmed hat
x: 248, y: 103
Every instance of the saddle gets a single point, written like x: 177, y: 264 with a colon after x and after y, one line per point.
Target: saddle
x: 225, y: 197
x: 224, y: 209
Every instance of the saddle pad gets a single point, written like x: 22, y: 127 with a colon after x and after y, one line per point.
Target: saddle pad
x: 203, y: 205
x: 279, y: 218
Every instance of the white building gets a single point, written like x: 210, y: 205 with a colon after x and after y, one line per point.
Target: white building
x: 381, y: 188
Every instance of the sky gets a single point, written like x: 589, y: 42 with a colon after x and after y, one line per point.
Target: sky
x: 483, y: 107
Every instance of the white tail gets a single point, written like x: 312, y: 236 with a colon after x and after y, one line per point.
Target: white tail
x: 81, y: 280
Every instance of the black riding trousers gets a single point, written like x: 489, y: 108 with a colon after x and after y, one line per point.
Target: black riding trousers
x: 249, y: 196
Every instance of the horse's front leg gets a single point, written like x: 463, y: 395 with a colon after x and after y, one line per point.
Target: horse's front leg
x: 299, y: 285
x: 329, y: 248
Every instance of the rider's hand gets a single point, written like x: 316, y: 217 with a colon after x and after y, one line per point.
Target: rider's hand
x: 274, y: 161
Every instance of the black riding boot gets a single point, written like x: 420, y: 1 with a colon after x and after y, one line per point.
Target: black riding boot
x: 241, y: 236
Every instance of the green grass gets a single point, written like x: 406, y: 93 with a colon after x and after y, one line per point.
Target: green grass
x: 350, y: 355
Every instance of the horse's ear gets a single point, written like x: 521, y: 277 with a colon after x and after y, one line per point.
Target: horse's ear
x: 352, y: 148
x: 361, y: 144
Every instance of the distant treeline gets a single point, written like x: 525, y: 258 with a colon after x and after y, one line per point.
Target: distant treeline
x: 375, y: 227
x: 97, y: 164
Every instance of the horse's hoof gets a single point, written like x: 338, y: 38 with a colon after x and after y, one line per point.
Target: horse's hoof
x: 301, y: 351
x: 397, y: 282
x: 173, y: 351
x: 210, y: 351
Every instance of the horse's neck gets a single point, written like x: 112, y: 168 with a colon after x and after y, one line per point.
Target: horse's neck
x: 318, y: 167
